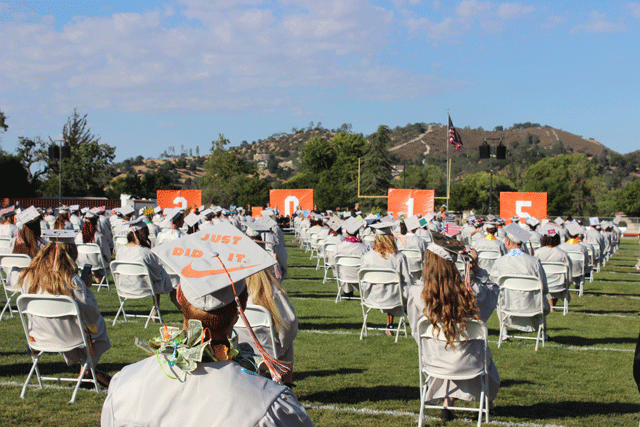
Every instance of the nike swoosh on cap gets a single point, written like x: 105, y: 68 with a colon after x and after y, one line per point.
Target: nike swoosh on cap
x: 190, y: 273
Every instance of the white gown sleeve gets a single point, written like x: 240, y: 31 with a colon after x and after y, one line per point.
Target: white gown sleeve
x: 286, y: 411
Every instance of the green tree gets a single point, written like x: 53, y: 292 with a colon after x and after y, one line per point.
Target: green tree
x: 33, y: 155
x: 375, y: 177
x: 463, y: 197
x: 481, y: 182
x: 427, y: 177
x: 317, y: 155
x: 14, y: 176
x: 3, y: 122
x: 86, y: 172
x: 629, y: 199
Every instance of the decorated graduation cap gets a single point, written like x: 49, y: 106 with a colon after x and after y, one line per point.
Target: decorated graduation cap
x: 412, y: 223
x: 517, y: 234
x: 446, y: 247
x: 192, y: 219
x: 335, y: 225
x: 212, y: 265
x: 548, y: 230
x: 60, y: 236
x: 593, y: 221
x: 28, y: 215
x: 136, y: 225
x: 574, y: 229
x: 352, y: 225
x: 7, y: 212
x: 382, y: 228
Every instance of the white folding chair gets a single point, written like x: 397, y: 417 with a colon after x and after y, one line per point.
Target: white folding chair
x: 152, y: 240
x: 369, y: 240
x: 558, y: 281
x: 11, y: 265
x: 6, y: 245
x: 514, y: 290
x: 262, y: 324
x: 414, y: 259
x: 327, y: 253
x: 591, y: 263
x: 55, y: 309
x: 319, y: 252
x: 462, y: 268
x: 578, y: 267
x: 380, y: 289
x: 313, y: 245
x: 136, y: 285
x: 486, y: 259
x: 90, y: 253
x: 469, y: 351
x: 346, y: 270
x: 119, y: 240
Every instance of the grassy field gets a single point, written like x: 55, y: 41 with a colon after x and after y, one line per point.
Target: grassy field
x: 581, y: 378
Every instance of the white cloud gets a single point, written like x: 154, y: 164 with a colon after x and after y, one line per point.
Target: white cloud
x: 598, y: 24
x: 472, y: 9
x: 513, y: 10
x: 635, y: 9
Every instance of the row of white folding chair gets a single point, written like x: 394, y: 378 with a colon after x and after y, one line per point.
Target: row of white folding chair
x: 466, y: 343
x: 487, y: 258
x: 11, y: 265
x: 578, y: 257
x: 56, y: 308
x: 262, y: 324
x: 558, y: 282
x: 344, y: 264
x: 90, y: 253
x: 139, y: 286
x: 386, y: 278
x: 414, y: 259
x: 327, y: 253
x: 521, y: 287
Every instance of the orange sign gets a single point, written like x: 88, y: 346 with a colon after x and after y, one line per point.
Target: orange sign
x: 179, y: 198
x: 410, y: 202
x: 256, y: 211
x: 523, y: 204
x: 287, y: 201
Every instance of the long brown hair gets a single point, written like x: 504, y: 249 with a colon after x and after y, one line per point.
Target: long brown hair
x: 260, y: 287
x: 51, y: 270
x: 385, y: 244
x: 448, y: 303
x: 89, y: 228
x: 29, y: 240
x: 61, y: 221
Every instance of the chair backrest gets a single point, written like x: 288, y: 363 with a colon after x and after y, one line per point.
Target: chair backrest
x: 90, y: 253
x: 346, y: 268
x: 5, y: 244
x: 485, y: 254
x: 120, y: 239
x: 369, y: 240
x: 556, y: 273
x: 414, y: 258
x: 175, y: 277
x: 327, y: 250
x: 8, y: 261
x: 42, y: 309
x: 386, y: 278
x: 131, y: 279
x: 514, y: 290
x: 467, y: 358
x: 411, y: 253
x: 577, y: 258
x: 262, y: 324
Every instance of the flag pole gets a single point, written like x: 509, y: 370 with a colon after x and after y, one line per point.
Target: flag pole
x: 448, y: 167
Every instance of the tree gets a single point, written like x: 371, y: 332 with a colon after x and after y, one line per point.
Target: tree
x: 317, y: 155
x: 376, y: 167
x: 86, y: 172
x: 420, y: 177
x: 14, y: 176
x: 481, y: 182
x: 3, y: 122
x: 464, y: 197
x: 629, y: 199
x: 33, y: 156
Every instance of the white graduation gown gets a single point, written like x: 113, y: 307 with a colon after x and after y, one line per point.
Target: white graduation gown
x: 160, y: 280
x: 387, y: 294
x: 214, y: 394
x: 167, y: 235
x: 350, y: 274
x: 105, y: 251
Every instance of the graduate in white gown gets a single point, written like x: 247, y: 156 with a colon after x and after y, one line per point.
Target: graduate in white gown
x: 409, y: 240
x: 352, y: 246
x: 62, y: 221
x: 489, y: 243
x: 90, y: 234
x: 446, y: 300
x: 53, y: 271
x: 176, y: 217
x: 385, y: 255
x: 265, y: 290
x: 551, y: 252
x: 8, y: 228
x: 213, y: 389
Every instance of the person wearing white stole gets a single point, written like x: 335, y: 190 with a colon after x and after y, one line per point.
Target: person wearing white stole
x: 478, y: 300
x: 120, y: 226
x: 206, y: 381
x: 518, y: 263
x: 385, y: 255
x: 62, y: 221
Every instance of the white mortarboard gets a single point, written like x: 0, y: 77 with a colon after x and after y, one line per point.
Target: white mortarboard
x: 157, y: 209
x: 549, y: 230
x: 7, y: 212
x: 74, y: 208
x: 446, y: 248
x: 559, y: 221
x: 487, y: 225
x: 268, y: 212
x: 533, y: 221
x: 204, y: 259
x: 217, y: 210
x: 515, y: 218
x: 138, y: 224
x: 352, y: 225
x: 99, y: 209
x: 383, y: 228
x: 84, y: 210
x: 192, y: 219
x: 268, y: 222
x: 615, y: 221
x: 60, y: 236
x: 491, y: 217
x: 254, y: 228
x: 141, y: 211
x: 370, y: 217
x: 175, y: 215
x: 593, y: 221
x: 517, y: 234
x: 206, y: 212
x: 412, y: 223
x: 28, y: 215
x: 575, y: 229
x: 63, y: 209
x: 127, y: 210
x: 90, y: 215
x: 335, y: 225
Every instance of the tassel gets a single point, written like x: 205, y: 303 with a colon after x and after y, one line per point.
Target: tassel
x: 467, y: 276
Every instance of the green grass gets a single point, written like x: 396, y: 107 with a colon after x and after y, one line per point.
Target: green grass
x: 581, y: 378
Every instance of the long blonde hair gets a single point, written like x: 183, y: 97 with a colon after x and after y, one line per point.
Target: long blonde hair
x: 385, y: 244
x: 447, y: 300
x: 260, y: 287
x: 51, y: 270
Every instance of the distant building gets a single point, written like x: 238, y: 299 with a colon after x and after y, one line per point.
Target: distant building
x: 262, y: 157
x: 396, y: 170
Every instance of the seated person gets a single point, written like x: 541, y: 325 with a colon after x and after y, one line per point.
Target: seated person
x: 53, y: 272
x: 90, y: 234
x: 352, y: 246
x: 212, y: 388
x: 549, y: 251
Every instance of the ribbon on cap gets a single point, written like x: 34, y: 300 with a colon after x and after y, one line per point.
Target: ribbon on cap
x: 276, y: 367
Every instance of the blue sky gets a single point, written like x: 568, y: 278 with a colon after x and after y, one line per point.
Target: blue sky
x: 156, y: 74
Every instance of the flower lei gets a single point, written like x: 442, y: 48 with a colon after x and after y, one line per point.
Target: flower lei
x: 352, y: 239
x: 184, y: 349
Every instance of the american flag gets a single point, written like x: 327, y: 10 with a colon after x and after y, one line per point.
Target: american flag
x: 454, y: 137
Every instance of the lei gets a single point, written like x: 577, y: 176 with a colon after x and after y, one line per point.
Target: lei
x: 351, y: 239
x: 515, y: 252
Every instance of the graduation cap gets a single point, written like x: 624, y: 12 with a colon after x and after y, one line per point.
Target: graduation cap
x: 74, y: 208
x: 254, y: 228
x: 28, y: 215
x: 615, y: 221
x: 515, y: 218
x: 175, y: 215
x: 533, y: 221
x: 423, y: 222
x: 127, y: 210
x: 575, y: 229
x: 136, y: 225
x: 593, y: 221
x: 192, y: 219
x: 63, y: 209
x: 446, y: 247
x: 412, y: 223
x: 549, y: 230
x: 207, y: 212
x: 382, y: 228
x: 90, y: 215
x: 157, y: 209
x: 84, y: 210
x: 488, y: 225
x: 335, y: 225
x: 517, y: 234
x: 60, y: 236
x: 7, y: 212
x: 452, y: 229
x: 352, y: 225
x: 559, y: 221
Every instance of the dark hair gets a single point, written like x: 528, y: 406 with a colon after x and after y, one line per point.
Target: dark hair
x: 552, y: 241
x: 89, y: 229
x: 30, y: 235
x: 142, y: 235
x: 403, y: 228
x: 215, y: 320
